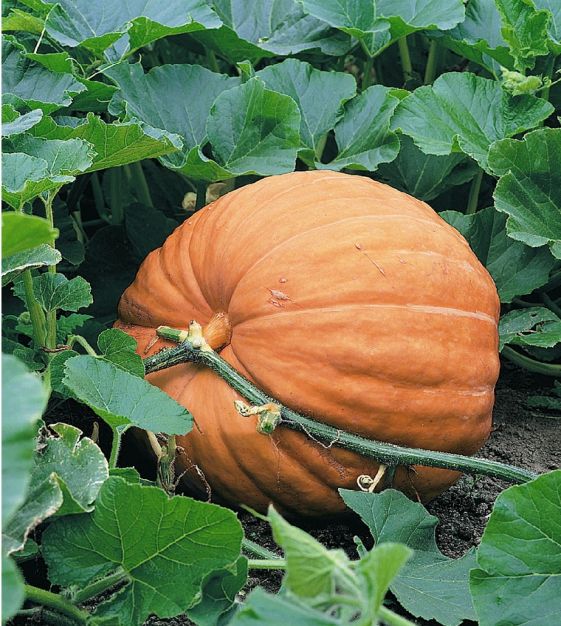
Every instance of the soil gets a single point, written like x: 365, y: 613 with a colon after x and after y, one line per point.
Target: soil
x: 521, y: 436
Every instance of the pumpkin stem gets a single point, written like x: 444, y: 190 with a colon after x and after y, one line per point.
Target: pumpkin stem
x: 191, y: 351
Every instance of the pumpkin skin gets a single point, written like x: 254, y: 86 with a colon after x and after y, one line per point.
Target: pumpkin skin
x: 348, y: 301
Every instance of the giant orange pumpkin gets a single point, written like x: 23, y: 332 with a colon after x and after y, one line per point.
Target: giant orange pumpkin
x: 346, y: 300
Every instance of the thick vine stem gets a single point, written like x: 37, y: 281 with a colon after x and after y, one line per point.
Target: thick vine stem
x: 387, y: 453
x: 57, y: 603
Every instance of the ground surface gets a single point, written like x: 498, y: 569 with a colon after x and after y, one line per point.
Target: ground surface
x: 521, y: 436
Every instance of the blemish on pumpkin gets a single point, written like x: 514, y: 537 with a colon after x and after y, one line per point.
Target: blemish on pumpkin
x: 279, y: 295
x: 275, y: 303
x: 358, y: 246
x: 283, y: 280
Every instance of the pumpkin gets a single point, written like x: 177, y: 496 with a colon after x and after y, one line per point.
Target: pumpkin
x: 346, y: 300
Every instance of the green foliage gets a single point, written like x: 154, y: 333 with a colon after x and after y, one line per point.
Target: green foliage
x: 164, y: 560
x: 430, y: 585
x: 520, y: 557
x: 112, y: 120
x: 529, y: 189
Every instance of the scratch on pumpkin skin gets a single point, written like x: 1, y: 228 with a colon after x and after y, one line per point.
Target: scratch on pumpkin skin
x: 359, y: 247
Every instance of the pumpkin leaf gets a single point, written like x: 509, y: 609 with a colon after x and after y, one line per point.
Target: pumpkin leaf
x: 479, y: 37
x: 13, y: 589
x: 32, y: 258
x: 43, y: 500
x: 308, y: 86
x: 21, y: 232
x: 66, y: 479
x: 185, y: 126
x: 25, y: 82
x: 554, y: 27
x: 96, y: 26
x: 529, y: 190
x: 519, y: 556
x: 114, y: 144
x: 430, y: 585
x: 310, y: 566
x: 219, y: 592
x: 13, y: 123
x: 525, y: 29
x: 23, y: 403
x: 515, y: 325
x: 276, y: 27
x: 357, y: 19
x: 464, y: 112
x: 35, y: 166
x: 364, y: 583
x: 408, y: 16
x: 79, y: 464
x: 120, y: 349
x: 363, y: 135
x: 516, y: 268
x: 533, y: 326
x: 261, y: 607
x: 426, y: 176
x: 165, y: 560
x: 254, y: 130
x: 57, y: 372
x: 122, y: 399
x: 55, y: 291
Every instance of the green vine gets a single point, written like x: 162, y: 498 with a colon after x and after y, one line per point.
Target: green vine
x: 387, y: 453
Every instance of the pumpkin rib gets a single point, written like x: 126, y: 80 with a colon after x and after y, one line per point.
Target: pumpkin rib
x: 428, y: 309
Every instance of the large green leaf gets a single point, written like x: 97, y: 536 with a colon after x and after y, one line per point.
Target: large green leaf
x: 407, y: 16
x: 354, y: 17
x: 312, y: 568
x: 13, y: 591
x: 55, y: 291
x: 525, y: 30
x: 35, y: 165
x: 31, y: 258
x: 464, y: 112
x: 21, y: 232
x: 308, y: 87
x: 66, y: 479
x: 26, y: 82
x: 165, y: 559
x: 520, y: 557
x: 529, y: 189
x: 479, y: 36
x: 430, y: 585
x: 122, y: 399
x: 363, y: 135
x: 271, y: 27
x: 254, y: 130
x: 554, y: 29
x: 114, y: 144
x: 98, y: 25
x: 516, y: 268
x: 533, y: 326
x: 184, y: 124
x: 23, y: 400
x: 120, y: 349
x: 219, y: 594
x: 426, y: 176
x: 13, y: 123
x: 79, y: 464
